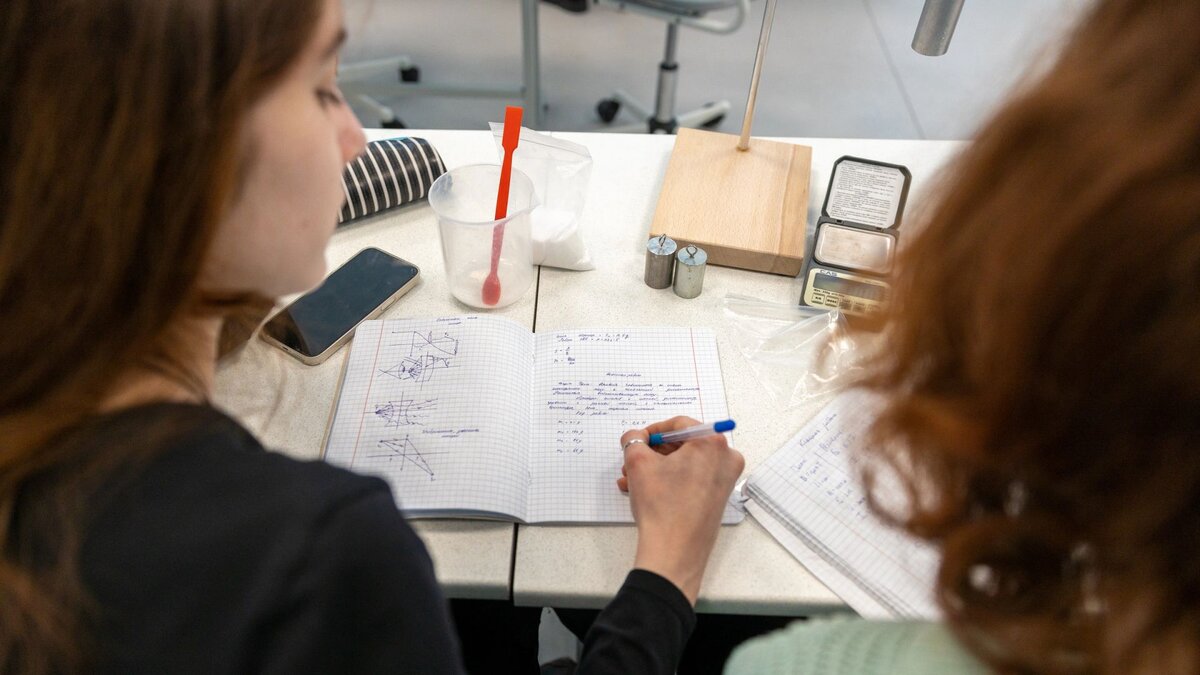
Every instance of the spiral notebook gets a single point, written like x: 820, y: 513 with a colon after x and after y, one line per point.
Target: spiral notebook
x: 808, y: 496
x: 475, y: 416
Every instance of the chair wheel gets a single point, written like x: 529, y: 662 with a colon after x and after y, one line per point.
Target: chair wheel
x: 394, y: 123
x: 714, y: 122
x: 410, y: 74
x: 608, y: 109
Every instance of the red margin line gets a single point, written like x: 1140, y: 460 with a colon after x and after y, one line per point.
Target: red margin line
x: 696, y: 371
x: 362, y: 411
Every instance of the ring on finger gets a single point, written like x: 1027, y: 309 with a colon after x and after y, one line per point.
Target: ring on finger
x: 631, y: 441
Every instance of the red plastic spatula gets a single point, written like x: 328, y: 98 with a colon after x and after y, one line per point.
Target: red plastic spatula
x: 512, y: 136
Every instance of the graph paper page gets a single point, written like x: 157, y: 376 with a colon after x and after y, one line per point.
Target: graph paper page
x: 811, y: 485
x: 591, y: 386
x: 440, y: 409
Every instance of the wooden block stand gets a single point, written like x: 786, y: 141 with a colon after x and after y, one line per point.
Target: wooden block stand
x: 746, y: 209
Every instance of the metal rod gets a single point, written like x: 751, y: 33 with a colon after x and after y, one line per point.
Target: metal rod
x: 936, y: 26
x: 668, y: 75
x: 530, y: 64
x: 763, y: 38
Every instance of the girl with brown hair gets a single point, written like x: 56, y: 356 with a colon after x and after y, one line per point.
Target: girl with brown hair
x: 166, y: 167
x: 1042, y: 379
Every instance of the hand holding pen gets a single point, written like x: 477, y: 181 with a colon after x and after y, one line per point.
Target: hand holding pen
x: 689, y: 433
x: 678, y: 490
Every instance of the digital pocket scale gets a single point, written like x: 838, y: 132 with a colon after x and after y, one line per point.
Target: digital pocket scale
x: 849, y: 262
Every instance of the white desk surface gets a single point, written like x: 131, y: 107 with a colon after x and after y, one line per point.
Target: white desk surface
x: 749, y: 572
x: 288, y: 404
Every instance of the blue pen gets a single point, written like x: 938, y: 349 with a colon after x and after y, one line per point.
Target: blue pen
x: 691, y: 432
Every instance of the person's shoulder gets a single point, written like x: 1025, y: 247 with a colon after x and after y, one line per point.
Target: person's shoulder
x: 195, y: 471
x: 852, y: 645
x: 200, y: 485
x: 207, y: 551
x: 199, y: 451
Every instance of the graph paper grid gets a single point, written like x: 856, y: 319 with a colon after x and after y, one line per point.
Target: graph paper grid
x: 588, y: 388
x: 811, y: 485
x: 440, y: 409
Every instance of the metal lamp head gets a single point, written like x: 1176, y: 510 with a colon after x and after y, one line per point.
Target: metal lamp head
x: 936, y: 26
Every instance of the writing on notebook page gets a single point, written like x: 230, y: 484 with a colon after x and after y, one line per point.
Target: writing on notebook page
x: 426, y: 354
x: 618, y: 393
x: 405, y: 453
x: 476, y: 415
x: 431, y: 405
x: 824, y: 465
x: 811, y: 487
x: 631, y: 396
x: 406, y: 411
x: 588, y: 388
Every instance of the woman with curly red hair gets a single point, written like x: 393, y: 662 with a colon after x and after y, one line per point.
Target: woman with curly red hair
x: 1042, y: 378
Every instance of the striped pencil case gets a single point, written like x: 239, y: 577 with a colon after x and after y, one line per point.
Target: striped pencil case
x: 390, y: 173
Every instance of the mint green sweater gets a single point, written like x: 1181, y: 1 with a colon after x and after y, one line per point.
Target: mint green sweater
x: 853, y: 646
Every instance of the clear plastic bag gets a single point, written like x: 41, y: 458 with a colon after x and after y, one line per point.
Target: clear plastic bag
x: 560, y: 171
x: 798, y: 353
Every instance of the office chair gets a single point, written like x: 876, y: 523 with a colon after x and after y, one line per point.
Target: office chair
x: 362, y: 82
x: 676, y: 13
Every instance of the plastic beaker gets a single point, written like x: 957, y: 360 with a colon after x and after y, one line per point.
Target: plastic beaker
x: 464, y: 200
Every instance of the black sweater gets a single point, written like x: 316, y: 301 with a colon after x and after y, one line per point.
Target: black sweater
x: 216, y: 556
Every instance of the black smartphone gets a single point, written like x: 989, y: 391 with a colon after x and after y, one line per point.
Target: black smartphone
x: 317, y: 323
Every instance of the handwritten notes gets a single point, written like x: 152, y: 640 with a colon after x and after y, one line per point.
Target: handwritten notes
x: 439, y: 409
x: 811, y: 486
x: 475, y: 415
x: 588, y: 388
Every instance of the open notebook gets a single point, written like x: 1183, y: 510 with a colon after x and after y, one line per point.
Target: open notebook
x: 808, y: 496
x: 475, y: 416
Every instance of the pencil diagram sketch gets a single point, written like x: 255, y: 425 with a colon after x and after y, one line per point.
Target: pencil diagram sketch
x: 427, y: 354
x: 403, y: 451
x: 405, y: 411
